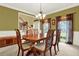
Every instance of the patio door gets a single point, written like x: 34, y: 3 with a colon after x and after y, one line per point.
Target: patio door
x: 65, y: 28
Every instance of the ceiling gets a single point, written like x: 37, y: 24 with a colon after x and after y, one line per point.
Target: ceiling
x: 34, y: 8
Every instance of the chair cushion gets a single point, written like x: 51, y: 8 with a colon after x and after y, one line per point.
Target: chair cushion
x: 40, y: 46
x: 26, y: 45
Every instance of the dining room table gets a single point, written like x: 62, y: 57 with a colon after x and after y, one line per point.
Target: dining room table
x: 34, y: 38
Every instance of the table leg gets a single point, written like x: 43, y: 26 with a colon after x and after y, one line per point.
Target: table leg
x: 33, y: 51
x: 29, y: 52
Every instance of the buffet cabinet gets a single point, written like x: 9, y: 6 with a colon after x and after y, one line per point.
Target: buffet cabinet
x: 6, y: 41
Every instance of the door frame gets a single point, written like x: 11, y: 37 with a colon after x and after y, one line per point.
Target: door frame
x: 58, y: 18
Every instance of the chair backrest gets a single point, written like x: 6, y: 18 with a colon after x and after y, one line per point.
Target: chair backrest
x: 49, y: 39
x: 54, y: 42
x: 18, y: 36
x: 56, y: 38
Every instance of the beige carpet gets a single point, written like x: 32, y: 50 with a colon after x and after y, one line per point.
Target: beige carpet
x: 65, y: 50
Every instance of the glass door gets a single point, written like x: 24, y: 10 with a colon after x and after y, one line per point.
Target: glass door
x: 65, y: 28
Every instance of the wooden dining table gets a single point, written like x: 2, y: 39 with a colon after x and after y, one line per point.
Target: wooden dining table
x: 33, y: 39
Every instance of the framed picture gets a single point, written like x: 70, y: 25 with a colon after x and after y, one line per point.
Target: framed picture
x: 53, y: 21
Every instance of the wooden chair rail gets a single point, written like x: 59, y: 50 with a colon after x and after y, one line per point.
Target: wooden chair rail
x: 6, y: 41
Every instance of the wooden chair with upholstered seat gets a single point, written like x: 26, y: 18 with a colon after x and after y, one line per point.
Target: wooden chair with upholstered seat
x: 58, y: 39
x: 21, y: 46
x: 47, y: 45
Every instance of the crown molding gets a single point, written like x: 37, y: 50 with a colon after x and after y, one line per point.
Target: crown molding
x: 28, y: 13
x: 17, y: 9
x: 63, y: 9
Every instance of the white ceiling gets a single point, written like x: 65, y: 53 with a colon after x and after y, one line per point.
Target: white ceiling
x: 34, y: 8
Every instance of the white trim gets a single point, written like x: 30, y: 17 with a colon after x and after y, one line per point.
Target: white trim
x: 64, y: 8
x: 76, y: 38
x: 7, y: 33
x: 13, y: 33
x: 8, y: 6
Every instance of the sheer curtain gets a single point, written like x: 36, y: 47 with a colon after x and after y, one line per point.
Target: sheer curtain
x: 70, y: 19
x: 68, y: 26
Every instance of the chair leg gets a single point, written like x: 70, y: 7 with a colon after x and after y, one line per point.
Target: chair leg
x: 50, y: 52
x: 44, y: 53
x: 58, y: 46
x: 22, y: 53
x: 18, y: 52
x: 55, y: 50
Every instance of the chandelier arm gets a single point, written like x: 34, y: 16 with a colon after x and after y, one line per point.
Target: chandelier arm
x: 40, y: 8
x: 40, y: 15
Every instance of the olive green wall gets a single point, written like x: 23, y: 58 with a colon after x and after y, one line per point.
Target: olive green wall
x: 74, y: 10
x: 8, y: 19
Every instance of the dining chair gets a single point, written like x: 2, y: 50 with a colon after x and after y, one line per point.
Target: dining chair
x: 47, y: 45
x: 58, y: 39
x: 21, y: 46
x: 55, y: 42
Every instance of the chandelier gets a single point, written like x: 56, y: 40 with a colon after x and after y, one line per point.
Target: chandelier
x: 40, y: 15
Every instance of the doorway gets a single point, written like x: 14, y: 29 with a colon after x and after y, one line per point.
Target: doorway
x: 65, y: 27
x: 65, y: 30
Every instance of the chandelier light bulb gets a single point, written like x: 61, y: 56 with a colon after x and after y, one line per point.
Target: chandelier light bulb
x: 36, y: 16
x: 40, y: 15
x: 44, y: 16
